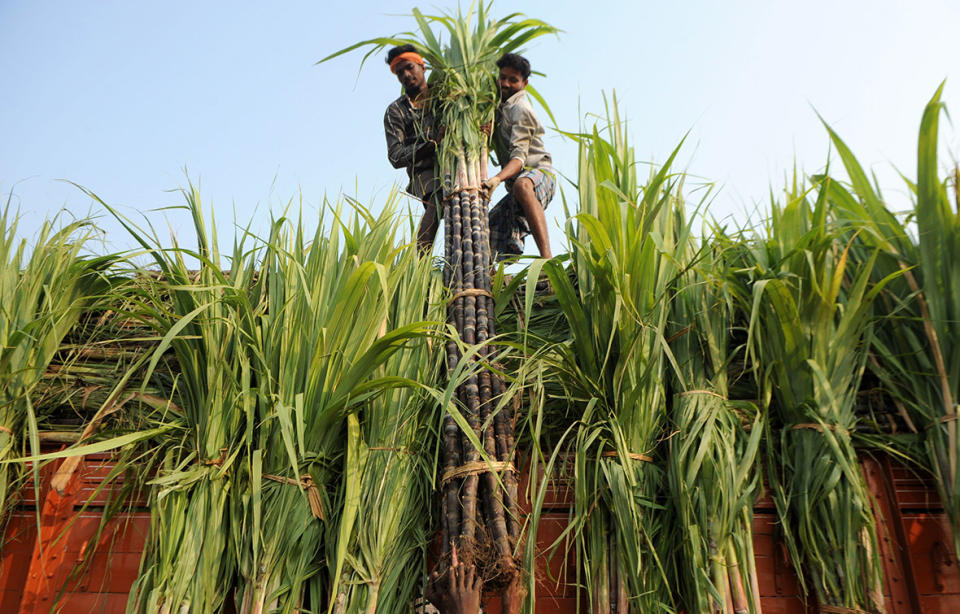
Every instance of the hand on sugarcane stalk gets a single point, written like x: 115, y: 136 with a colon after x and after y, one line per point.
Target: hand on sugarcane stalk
x: 488, y: 187
x: 457, y: 590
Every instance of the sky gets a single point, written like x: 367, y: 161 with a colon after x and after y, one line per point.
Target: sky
x: 130, y: 99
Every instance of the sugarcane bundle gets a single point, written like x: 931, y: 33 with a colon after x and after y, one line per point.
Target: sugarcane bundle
x: 914, y: 347
x: 383, y: 535
x: 43, y: 292
x: 204, y: 318
x: 106, y: 346
x: 471, y: 311
x: 810, y: 325
x: 712, y: 476
x: 624, y: 258
x: 342, y: 337
x: 478, y: 480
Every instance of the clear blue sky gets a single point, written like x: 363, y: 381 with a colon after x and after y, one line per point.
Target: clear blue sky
x: 121, y: 96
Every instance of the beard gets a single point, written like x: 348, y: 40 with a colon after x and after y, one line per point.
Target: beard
x: 413, y: 90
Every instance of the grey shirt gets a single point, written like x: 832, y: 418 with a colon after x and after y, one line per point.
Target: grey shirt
x: 405, y: 127
x: 519, y: 135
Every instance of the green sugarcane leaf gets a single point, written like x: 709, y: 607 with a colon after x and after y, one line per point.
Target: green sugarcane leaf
x: 353, y: 467
x: 93, y: 448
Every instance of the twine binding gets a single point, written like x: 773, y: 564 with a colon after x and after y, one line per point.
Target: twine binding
x: 5, y: 429
x: 944, y: 419
x: 470, y: 292
x: 216, y: 462
x: 305, y: 483
x: 679, y: 333
x: 631, y: 455
x: 476, y: 468
x: 456, y: 190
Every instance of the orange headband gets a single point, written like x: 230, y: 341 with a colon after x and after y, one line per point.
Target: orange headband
x: 413, y: 56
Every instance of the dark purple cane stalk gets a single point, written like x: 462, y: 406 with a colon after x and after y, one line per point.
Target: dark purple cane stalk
x: 481, y: 497
x: 503, y: 423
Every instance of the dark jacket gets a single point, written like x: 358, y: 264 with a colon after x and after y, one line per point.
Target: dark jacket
x: 406, y: 128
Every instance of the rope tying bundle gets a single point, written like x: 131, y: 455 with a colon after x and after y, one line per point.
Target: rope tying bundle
x: 476, y: 468
x: 631, y: 455
x: 216, y: 462
x: 470, y: 292
x: 456, y: 190
x: 947, y: 418
x: 305, y: 483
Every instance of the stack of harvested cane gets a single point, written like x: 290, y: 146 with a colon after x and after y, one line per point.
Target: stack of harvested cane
x: 478, y: 479
x: 479, y: 496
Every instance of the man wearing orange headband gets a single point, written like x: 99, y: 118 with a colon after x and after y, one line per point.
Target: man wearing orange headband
x: 411, y: 138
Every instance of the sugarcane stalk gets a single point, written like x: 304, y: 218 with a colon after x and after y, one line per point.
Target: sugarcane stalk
x: 622, y: 601
x: 455, y: 257
x: 470, y: 390
x: 494, y: 504
x: 754, y: 583
x: 454, y: 281
x: 603, y: 578
x: 450, y: 512
x: 504, y: 428
x: 721, y: 581
x: 373, y: 591
x: 497, y: 523
x: 875, y: 592
x: 737, y: 589
x: 614, y: 583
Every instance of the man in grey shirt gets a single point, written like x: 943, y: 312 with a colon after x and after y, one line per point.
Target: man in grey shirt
x: 411, y: 142
x: 526, y: 168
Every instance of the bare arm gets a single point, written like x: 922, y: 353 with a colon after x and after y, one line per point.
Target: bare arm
x: 511, y: 170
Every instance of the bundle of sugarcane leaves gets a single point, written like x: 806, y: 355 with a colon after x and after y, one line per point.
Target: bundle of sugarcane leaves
x: 614, y: 368
x: 44, y: 290
x: 341, y: 459
x: 257, y: 466
x: 77, y: 398
x: 916, y: 347
x: 94, y: 398
x: 204, y: 317
x: 391, y: 456
x: 712, y: 477
x: 810, y: 323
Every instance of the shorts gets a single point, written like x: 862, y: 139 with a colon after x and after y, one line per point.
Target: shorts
x: 508, y: 227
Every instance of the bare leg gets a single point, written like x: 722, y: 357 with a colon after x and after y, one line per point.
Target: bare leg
x: 532, y: 210
x: 427, y: 231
